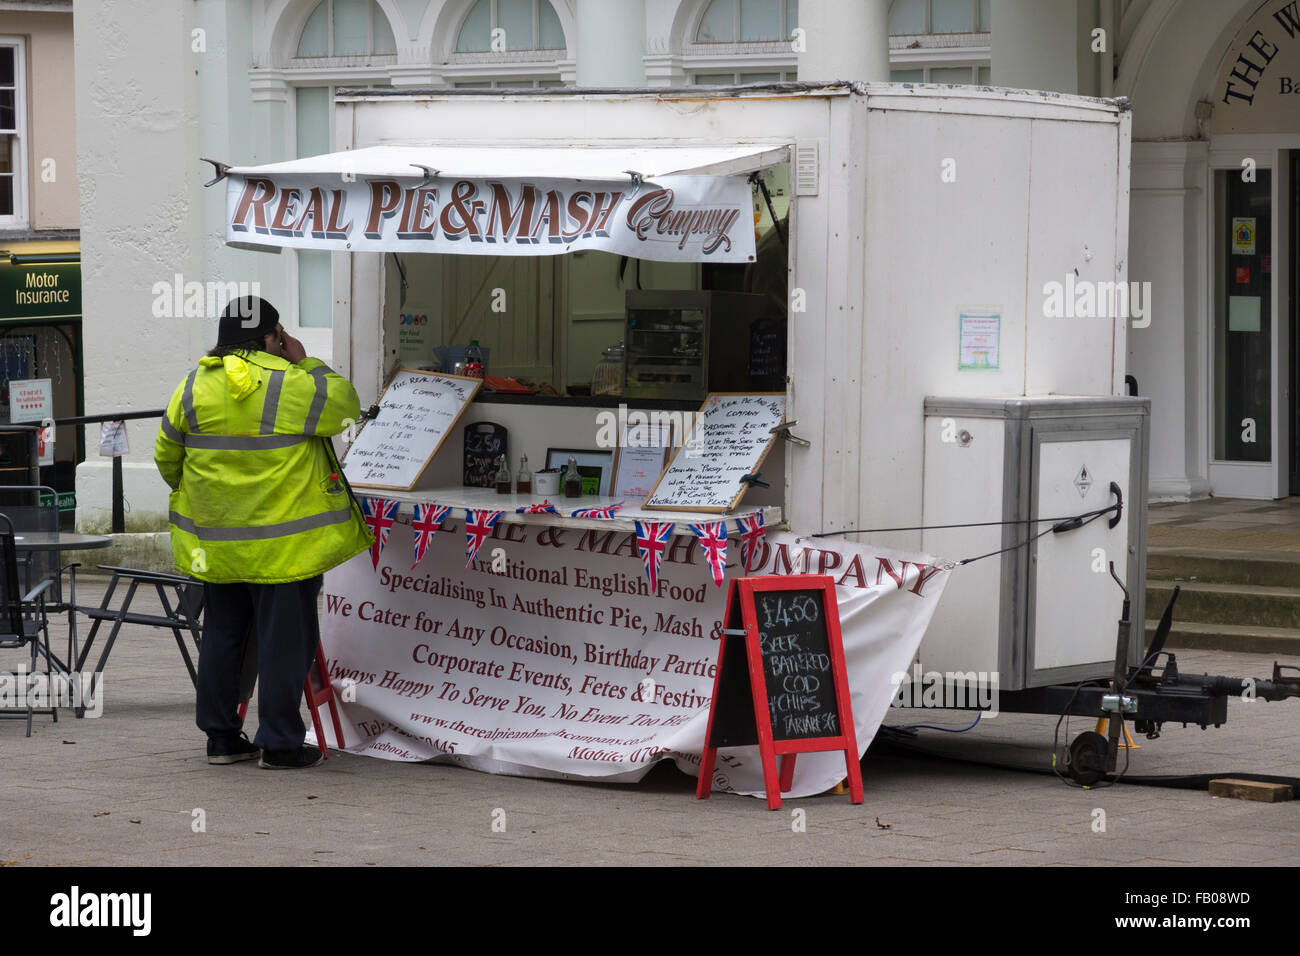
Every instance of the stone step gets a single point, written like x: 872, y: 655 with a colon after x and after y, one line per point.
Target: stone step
x: 1260, y: 568
x: 1281, y: 641
x: 1240, y: 604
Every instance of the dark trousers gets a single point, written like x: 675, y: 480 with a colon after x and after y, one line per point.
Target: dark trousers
x: 287, y: 634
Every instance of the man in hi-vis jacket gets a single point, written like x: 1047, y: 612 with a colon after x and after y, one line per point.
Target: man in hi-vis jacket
x: 258, y: 512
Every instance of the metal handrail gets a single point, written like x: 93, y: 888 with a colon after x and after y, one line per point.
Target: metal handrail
x: 119, y: 510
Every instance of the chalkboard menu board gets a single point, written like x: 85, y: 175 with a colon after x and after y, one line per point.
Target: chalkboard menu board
x: 797, y: 664
x: 416, y: 413
x: 485, y: 443
x: 731, y: 437
x: 782, y: 682
x: 767, y: 353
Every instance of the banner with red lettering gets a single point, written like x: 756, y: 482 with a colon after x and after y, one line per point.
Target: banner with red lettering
x: 550, y: 656
x: 670, y: 219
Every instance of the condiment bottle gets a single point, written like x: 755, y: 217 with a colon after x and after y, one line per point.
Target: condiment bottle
x: 572, y: 480
x: 474, y: 366
x: 525, y: 480
x: 503, y: 478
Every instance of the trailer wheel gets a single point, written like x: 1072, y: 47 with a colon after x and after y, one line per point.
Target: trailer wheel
x: 1088, y: 758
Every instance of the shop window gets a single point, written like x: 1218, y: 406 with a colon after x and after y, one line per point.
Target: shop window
x: 553, y: 320
x: 920, y: 17
x: 13, y: 207
x: 524, y: 25
x: 733, y: 79
x: 508, y: 83
x: 960, y: 75
x: 346, y: 28
x: 747, y: 21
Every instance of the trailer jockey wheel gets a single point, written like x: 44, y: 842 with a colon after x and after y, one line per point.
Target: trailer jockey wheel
x: 1088, y: 754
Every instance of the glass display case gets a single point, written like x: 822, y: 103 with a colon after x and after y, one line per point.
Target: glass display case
x: 685, y: 344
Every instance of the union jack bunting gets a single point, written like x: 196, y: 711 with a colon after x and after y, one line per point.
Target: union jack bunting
x: 652, y: 538
x: 751, y: 536
x: 606, y: 512
x: 479, y: 523
x: 425, y: 523
x: 713, y: 542
x: 545, y: 508
x: 380, y: 513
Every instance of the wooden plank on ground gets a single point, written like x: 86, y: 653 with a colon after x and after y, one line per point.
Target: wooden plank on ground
x: 1250, y: 790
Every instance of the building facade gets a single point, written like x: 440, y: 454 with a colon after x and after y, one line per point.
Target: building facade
x: 40, y: 272
x: 1213, y: 223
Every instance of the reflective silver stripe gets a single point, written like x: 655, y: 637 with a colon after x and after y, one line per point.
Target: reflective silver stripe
x: 272, y: 405
x: 281, y: 530
x: 318, y: 400
x: 187, y: 402
x: 171, y: 432
x: 243, y: 442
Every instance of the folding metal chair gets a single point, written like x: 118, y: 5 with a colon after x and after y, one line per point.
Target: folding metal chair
x: 22, y: 505
x: 23, y: 623
x: 182, y: 611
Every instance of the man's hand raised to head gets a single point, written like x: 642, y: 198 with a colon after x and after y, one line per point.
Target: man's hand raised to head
x: 292, y: 349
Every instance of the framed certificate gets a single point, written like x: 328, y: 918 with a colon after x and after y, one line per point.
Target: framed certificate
x: 640, y: 458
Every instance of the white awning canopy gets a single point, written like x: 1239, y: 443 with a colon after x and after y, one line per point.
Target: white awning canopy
x: 667, y: 203
x: 586, y: 163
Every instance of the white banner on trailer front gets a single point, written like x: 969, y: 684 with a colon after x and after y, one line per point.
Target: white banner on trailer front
x: 561, y: 663
x: 670, y: 219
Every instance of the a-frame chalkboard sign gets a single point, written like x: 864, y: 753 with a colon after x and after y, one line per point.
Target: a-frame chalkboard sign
x: 781, y: 680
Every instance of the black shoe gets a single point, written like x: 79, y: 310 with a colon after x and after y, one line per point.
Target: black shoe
x: 299, y: 759
x: 231, y: 749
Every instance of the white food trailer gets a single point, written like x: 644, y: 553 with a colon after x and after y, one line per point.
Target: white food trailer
x: 925, y: 229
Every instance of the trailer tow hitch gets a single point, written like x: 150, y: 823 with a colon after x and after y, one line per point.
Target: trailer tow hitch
x: 1157, y: 691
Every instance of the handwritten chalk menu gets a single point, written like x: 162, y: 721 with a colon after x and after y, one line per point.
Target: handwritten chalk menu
x: 731, y: 437
x: 416, y: 413
x: 485, y: 443
x: 781, y: 680
x: 767, y: 353
x: 796, y: 664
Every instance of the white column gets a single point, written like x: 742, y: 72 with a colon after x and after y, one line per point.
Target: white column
x: 1166, y: 248
x: 611, y: 43
x: 843, y: 41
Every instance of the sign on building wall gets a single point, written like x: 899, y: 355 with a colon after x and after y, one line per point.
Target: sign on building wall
x: 1258, y: 88
x: 32, y: 400
x: 37, y: 291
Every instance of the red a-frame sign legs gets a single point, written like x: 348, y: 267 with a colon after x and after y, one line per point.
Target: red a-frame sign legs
x: 740, y: 662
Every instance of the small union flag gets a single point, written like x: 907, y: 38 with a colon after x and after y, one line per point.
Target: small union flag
x: 713, y: 542
x: 425, y: 523
x: 606, y: 512
x: 380, y: 513
x: 751, y: 536
x: 651, y: 539
x: 545, y: 508
x: 479, y: 523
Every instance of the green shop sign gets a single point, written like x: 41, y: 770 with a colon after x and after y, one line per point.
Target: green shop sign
x: 40, y: 291
x: 67, y: 500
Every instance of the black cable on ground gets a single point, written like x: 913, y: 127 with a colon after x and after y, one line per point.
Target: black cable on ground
x: 1194, y: 781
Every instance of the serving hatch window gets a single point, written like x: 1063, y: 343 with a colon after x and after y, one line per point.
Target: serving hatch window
x: 593, y: 323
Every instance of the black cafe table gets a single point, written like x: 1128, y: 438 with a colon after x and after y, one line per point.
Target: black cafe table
x: 31, y: 542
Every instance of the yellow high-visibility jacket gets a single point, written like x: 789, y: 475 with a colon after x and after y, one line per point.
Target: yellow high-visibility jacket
x: 243, y: 447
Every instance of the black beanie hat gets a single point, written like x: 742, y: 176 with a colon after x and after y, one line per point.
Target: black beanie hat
x: 245, y: 318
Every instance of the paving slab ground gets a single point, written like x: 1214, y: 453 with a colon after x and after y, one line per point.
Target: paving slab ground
x: 128, y: 788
